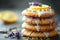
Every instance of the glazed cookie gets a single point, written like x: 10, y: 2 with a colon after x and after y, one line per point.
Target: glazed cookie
x: 32, y: 20
x: 41, y: 11
x: 9, y: 17
x: 37, y: 27
x: 32, y: 34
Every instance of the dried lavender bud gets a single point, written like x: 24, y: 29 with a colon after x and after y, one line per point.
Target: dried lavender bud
x: 35, y: 3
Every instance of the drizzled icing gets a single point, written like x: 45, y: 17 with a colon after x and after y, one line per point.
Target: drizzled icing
x: 25, y: 18
x: 42, y: 12
x: 50, y: 10
x: 46, y: 34
x: 39, y: 13
x: 24, y: 11
x: 37, y: 26
x: 30, y: 19
x: 36, y: 21
x: 22, y: 31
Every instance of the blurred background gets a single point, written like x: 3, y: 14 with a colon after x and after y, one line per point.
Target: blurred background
x: 19, y: 5
x: 22, y: 4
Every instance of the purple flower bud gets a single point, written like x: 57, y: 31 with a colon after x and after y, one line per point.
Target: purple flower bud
x: 35, y: 3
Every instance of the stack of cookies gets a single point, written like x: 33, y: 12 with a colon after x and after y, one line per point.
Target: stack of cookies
x: 39, y: 21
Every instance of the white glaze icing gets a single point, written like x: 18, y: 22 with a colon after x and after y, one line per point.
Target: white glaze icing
x: 39, y: 13
x: 37, y: 21
x: 26, y: 18
x: 30, y: 19
x: 23, y: 24
x: 37, y: 26
x: 22, y: 31
x: 50, y: 10
x: 46, y: 34
x: 24, y: 11
x: 42, y: 12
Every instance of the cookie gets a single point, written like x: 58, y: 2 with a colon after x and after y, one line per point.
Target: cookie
x: 38, y: 27
x: 38, y: 13
x: 32, y: 34
x: 31, y: 20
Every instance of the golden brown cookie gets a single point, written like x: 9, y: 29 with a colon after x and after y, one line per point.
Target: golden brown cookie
x: 39, y: 21
x: 39, y: 34
x: 38, y: 13
x: 36, y: 28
